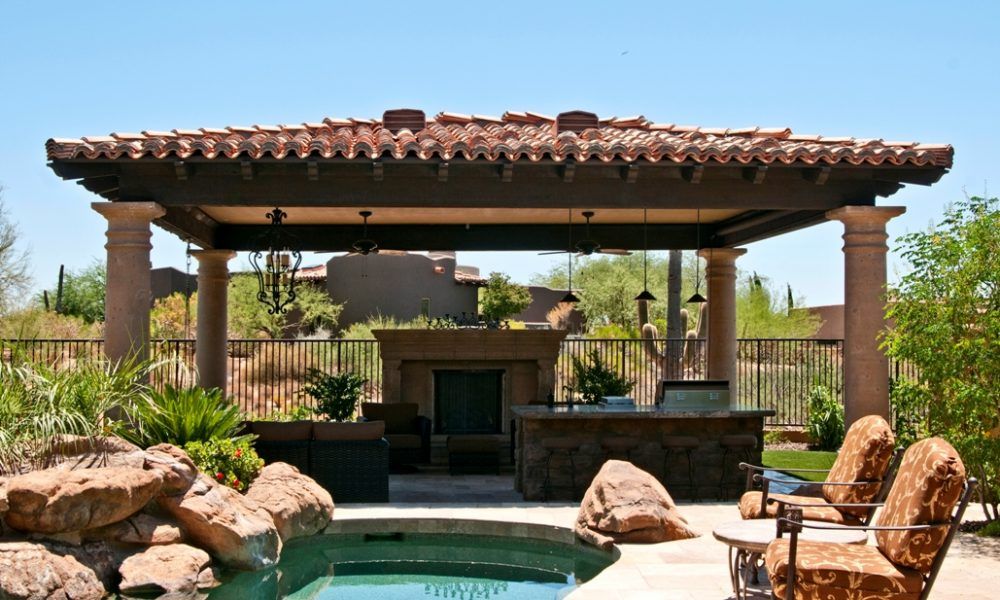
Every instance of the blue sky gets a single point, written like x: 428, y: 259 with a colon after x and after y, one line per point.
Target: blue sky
x: 894, y: 70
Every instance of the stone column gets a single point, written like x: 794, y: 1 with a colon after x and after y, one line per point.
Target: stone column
x: 128, y: 298
x: 212, y: 334
x: 720, y: 275
x: 866, y: 368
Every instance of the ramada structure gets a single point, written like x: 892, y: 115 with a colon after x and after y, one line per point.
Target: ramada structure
x: 471, y: 182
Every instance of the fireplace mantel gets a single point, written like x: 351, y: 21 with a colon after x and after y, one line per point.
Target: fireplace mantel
x: 410, y: 357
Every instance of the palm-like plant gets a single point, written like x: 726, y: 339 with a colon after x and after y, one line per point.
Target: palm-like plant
x: 178, y: 416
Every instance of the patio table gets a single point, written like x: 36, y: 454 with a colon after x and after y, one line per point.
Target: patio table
x: 748, y: 539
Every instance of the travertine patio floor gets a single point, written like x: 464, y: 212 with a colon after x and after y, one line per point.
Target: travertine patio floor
x: 690, y: 569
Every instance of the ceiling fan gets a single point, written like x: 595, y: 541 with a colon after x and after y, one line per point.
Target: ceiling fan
x: 588, y: 246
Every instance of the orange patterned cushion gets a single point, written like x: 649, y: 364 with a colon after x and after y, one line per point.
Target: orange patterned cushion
x: 926, y: 489
x: 820, y: 566
x: 864, y: 456
x: 812, y: 591
x: 816, y: 511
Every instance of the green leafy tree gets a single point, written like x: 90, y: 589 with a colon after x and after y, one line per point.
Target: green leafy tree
x: 14, y: 277
x: 501, y: 298
x: 248, y: 317
x: 762, y: 312
x: 174, y: 317
x: 83, y: 293
x: 947, y: 325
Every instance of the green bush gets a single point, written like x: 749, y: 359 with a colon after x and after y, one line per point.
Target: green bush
x: 336, y: 396
x: 41, y: 401
x: 231, y: 462
x: 825, y: 421
x: 594, y: 380
x: 178, y: 416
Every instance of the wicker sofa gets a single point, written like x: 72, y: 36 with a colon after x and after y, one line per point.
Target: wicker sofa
x: 350, y: 460
x: 409, y: 434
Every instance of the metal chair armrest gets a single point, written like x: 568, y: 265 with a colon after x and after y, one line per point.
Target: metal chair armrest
x: 831, y: 504
x: 787, y: 521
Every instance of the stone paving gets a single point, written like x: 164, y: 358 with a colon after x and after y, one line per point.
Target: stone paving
x: 689, y: 569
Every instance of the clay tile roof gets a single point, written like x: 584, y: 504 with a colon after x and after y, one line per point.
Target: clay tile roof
x: 524, y: 136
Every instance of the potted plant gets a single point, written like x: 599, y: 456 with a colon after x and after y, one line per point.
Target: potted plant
x: 594, y: 380
x: 335, y: 395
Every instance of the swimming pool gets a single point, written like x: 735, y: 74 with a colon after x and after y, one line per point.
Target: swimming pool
x: 425, y: 558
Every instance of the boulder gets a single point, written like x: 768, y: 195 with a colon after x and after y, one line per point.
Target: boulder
x: 56, y: 501
x: 298, y: 505
x: 74, y: 452
x: 177, y: 468
x: 234, y: 529
x: 31, y: 570
x: 175, y: 568
x: 3, y: 502
x: 625, y: 504
x: 142, y: 528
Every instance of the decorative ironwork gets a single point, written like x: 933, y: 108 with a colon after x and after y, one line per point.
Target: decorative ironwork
x: 467, y: 320
x: 276, y: 264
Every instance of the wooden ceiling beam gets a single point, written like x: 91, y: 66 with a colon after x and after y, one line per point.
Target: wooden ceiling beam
x: 755, y: 175
x: 463, y: 237
x: 190, y: 223
x: 693, y: 174
x: 312, y: 170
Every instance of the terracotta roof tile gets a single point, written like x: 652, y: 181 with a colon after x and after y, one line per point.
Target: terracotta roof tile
x: 524, y: 136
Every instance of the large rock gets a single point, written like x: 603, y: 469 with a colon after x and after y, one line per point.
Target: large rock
x: 142, y: 529
x: 177, y: 468
x: 56, y: 501
x: 177, y: 568
x: 74, y: 452
x: 625, y: 504
x: 236, y: 530
x: 298, y: 505
x: 34, y: 571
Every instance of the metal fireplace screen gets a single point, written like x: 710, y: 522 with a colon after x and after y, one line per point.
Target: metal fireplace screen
x: 467, y: 401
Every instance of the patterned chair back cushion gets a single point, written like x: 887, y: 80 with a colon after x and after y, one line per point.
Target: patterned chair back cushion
x: 927, y: 488
x: 864, y: 456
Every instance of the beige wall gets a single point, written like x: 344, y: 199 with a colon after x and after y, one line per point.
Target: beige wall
x: 394, y: 284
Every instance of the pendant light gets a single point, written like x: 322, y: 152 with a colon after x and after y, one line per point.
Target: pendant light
x: 570, y: 297
x: 697, y: 298
x: 645, y: 296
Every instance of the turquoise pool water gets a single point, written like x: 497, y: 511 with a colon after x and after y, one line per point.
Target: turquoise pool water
x: 415, y: 565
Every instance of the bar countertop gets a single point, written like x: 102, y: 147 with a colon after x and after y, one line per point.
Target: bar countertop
x: 592, y: 411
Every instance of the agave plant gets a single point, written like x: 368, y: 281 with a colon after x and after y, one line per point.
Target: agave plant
x: 181, y: 415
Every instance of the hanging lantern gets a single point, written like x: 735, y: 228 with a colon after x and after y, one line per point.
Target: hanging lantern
x: 697, y: 298
x: 645, y: 295
x: 276, y: 263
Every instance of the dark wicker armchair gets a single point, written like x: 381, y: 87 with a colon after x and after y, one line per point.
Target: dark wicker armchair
x: 408, y: 433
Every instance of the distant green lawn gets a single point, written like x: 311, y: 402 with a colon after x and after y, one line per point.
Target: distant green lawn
x: 789, y: 460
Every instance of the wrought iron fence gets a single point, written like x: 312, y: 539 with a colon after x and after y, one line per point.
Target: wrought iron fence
x: 267, y: 376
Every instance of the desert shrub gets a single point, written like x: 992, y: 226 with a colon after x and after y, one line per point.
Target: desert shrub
x: 178, y: 416
x: 594, y: 379
x: 40, y: 403
x: 336, y: 396
x: 232, y: 462
x: 299, y: 413
x: 825, y: 419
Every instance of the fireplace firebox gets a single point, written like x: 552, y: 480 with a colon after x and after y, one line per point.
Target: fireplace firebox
x: 468, y: 401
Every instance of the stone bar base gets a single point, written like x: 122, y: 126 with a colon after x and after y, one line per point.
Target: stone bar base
x: 588, y: 425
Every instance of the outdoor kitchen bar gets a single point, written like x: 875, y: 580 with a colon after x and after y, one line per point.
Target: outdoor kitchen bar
x: 559, y: 449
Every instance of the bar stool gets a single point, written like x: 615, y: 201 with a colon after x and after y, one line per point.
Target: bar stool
x: 680, y: 443
x: 622, y: 445
x: 553, y: 445
x: 738, y: 443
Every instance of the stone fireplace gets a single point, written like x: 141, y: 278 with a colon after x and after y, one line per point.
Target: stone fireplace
x: 466, y: 380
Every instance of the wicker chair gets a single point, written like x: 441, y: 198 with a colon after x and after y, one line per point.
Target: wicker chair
x: 351, y: 460
x: 915, y: 528
x: 408, y: 433
x: 860, y: 476
x: 286, y: 442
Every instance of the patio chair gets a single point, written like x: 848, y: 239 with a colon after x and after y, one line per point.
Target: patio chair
x: 408, y: 433
x: 859, y: 475
x: 915, y: 528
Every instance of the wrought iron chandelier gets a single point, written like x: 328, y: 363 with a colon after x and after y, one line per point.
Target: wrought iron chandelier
x: 276, y: 262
